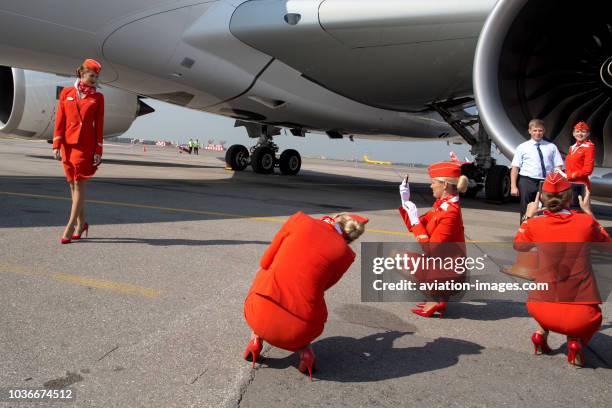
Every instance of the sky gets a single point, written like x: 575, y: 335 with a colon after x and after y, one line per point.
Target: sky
x: 178, y: 124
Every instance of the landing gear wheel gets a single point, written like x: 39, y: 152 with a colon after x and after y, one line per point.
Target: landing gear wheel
x: 475, y: 176
x: 237, y: 157
x: 290, y: 162
x: 497, y: 184
x: 263, y: 160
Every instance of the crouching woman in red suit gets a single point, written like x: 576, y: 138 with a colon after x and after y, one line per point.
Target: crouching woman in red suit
x: 77, y: 140
x: 439, y: 231
x: 285, y: 305
x: 580, y: 159
x: 570, y: 305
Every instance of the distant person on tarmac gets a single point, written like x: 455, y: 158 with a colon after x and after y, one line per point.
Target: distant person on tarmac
x: 533, y: 161
x: 196, y: 147
x: 190, y: 146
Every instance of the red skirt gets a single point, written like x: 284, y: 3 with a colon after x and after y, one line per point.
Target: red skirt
x: 277, y: 326
x: 78, y: 161
x: 572, y: 319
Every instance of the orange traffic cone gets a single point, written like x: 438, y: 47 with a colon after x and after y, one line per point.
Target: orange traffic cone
x: 525, y: 266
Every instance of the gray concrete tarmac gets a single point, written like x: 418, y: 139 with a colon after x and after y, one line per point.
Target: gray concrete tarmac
x: 147, y: 311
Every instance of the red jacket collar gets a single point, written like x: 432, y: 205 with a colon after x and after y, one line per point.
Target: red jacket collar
x: 563, y: 214
x: 450, y: 200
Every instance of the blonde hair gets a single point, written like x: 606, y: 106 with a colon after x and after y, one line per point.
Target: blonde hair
x: 536, y: 122
x: 459, y: 184
x: 556, y: 202
x: 351, y: 228
x: 80, y: 70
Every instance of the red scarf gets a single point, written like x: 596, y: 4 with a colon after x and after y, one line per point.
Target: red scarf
x: 86, y: 89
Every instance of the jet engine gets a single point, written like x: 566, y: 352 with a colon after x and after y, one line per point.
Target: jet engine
x: 28, y: 100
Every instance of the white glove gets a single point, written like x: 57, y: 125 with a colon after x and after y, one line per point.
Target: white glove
x: 561, y: 172
x: 404, y: 189
x: 412, y: 211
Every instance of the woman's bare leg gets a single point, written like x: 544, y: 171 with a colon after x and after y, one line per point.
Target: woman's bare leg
x: 253, y: 336
x: 81, y: 220
x: 541, y: 330
x: 78, y: 200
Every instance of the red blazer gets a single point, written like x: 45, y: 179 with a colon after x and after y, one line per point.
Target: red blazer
x: 306, y: 257
x: 79, y: 121
x: 564, y: 260
x: 443, y: 223
x: 579, y: 162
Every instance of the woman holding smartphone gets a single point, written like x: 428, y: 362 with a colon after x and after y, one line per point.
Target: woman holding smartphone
x: 286, y: 303
x: 570, y: 304
x: 439, y: 230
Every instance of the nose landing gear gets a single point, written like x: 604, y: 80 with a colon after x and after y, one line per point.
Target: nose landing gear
x: 263, y: 156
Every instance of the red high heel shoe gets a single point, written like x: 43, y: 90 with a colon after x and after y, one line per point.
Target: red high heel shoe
x: 85, y: 230
x: 253, y: 349
x: 64, y: 241
x: 539, y: 344
x: 439, y: 307
x: 574, y: 353
x: 421, y: 305
x: 307, y: 361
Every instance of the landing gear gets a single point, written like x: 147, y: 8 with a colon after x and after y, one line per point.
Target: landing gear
x: 263, y: 155
x: 237, y: 157
x: 483, y: 172
x: 290, y: 162
x: 497, y: 184
x: 263, y: 160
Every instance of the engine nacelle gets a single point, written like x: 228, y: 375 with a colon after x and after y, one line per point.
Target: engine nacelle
x: 551, y: 60
x: 28, y: 100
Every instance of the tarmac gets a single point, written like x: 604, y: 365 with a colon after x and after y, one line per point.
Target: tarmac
x: 147, y: 310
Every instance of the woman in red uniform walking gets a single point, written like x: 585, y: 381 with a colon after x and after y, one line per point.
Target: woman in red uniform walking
x: 570, y: 306
x: 285, y: 305
x: 77, y: 140
x: 442, y: 224
x: 580, y: 158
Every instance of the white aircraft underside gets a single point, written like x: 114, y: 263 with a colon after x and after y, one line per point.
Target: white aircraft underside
x: 378, y: 69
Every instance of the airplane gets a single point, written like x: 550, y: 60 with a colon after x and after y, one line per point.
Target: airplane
x: 379, y: 162
x: 478, y: 70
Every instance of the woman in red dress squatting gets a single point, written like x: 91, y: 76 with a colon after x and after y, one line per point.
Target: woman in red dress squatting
x: 570, y: 306
x: 580, y: 158
x: 442, y: 224
x: 285, y: 305
x: 77, y: 140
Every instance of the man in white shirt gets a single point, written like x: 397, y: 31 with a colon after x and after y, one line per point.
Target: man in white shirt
x: 533, y: 161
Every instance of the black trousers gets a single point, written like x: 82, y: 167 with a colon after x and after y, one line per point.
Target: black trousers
x: 528, y: 188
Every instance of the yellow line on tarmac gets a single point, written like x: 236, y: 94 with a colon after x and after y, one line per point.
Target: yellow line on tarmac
x: 150, y: 207
x: 379, y: 231
x: 84, y: 281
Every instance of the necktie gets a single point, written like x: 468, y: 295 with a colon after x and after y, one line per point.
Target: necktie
x: 541, y: 160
